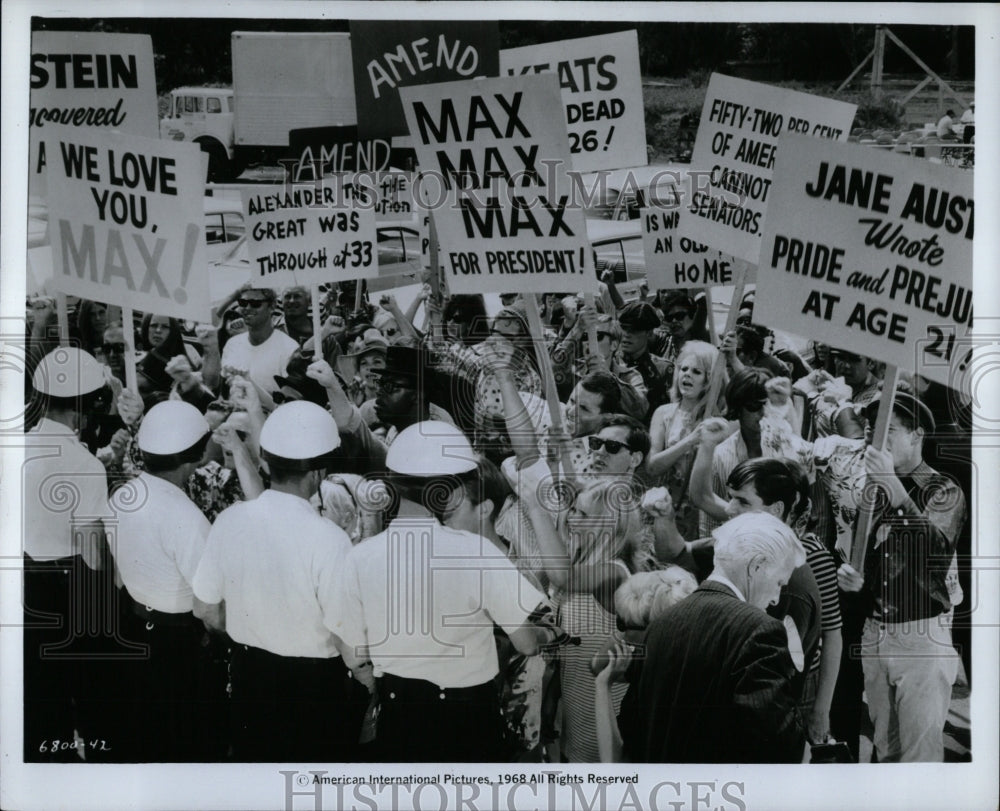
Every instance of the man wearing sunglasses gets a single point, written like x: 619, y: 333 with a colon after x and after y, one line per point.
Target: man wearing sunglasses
x: 261, y: 352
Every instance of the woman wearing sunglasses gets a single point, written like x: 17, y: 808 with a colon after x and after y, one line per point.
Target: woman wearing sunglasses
x: 674, y: 430
x: 590, y: 541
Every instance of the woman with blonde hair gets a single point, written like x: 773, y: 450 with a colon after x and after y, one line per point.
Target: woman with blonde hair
x: 674, y: 431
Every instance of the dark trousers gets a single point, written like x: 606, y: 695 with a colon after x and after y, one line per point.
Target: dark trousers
x: 420, y: 722
x: 847, y: 706
x: 165, y: 691
x: 293, y: 708
x: 50, y: 666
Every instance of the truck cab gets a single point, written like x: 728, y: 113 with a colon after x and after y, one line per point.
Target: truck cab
x: 203, y: 115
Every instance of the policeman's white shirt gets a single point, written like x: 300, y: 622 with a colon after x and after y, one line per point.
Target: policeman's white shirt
x: 424, y: 598
x: 157, y: 541
x: 63, y: 484
x: 268, y: 559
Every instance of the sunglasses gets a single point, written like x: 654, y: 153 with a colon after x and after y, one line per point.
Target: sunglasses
x: 280, y: 397
x: 252, y: 302
x: 754, y: 407
x: 612, y: 446
x: 114, y: 349
x: 677, y: 315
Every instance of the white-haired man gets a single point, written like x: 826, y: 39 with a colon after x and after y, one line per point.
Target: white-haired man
x: 716, y: 685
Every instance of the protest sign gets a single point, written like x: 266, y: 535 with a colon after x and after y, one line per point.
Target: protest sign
x: 737, y: 139
x: 502, y: 198
x: 126, y: 220
x: 88, y: 80
x: 308, y: 234
x: 675, y: 261
x: 601, y: 91
x: 870, y: 252
x: 388, y: 55
x: 317, y: 151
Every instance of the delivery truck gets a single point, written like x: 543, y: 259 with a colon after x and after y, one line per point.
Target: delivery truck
x: 281, y: 82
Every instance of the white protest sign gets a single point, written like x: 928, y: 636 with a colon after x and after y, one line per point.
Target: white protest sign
x: 126, y: 217
x: 392, y: 194
x: 311, y: 234
x: 501, y: 207
x: 675, y: 261
x: 737, y: 138
x: 89, y: 80
x: 870, y: 252
x: 601, y: 92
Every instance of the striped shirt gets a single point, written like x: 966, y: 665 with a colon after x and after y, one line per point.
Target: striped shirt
x: 824, y: 569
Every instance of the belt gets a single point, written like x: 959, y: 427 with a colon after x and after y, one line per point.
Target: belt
x: 397, y: 688
x: 154, y: 617
x: 58, y: 563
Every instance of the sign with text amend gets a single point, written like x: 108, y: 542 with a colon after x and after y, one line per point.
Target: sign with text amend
x: 314, y: 152
x: 390, y: 54
x: 501, y: 205
x: 602, y: 95
x: 126, y: 220
x: 310, y: 234
x: 90, y: 80
x: 738, y: 140
x: 870, y: 252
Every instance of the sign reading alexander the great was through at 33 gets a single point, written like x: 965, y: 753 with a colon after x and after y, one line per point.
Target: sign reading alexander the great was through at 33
x: 501, y: 202
x: 310, y: 234
x: 870, y: 252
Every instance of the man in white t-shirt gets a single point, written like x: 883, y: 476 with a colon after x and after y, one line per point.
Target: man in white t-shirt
x: 261, y: 352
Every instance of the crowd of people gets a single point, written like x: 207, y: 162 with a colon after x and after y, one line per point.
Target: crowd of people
x: 386, y: 543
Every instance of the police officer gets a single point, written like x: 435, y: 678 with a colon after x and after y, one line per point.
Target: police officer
x: 265, y: 561
x: 417, y: 605
x: 157, y: 545
x: 65, y: 501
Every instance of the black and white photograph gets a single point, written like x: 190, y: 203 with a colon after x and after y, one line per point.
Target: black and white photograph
x: 499, y: 406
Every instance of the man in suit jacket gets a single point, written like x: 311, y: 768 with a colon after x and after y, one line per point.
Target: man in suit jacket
x: 716, y: 682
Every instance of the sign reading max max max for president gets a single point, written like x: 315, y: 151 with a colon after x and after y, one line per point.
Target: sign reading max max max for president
x: 870, y: 252
x: 502, y: 201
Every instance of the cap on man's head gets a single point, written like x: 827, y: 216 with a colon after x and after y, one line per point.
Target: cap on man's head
x: 171, y: 427
x: 299, y: 436
x: 431, y: 448
x: 638, y: 316
x: 906, y: 405
x: 68, y: 372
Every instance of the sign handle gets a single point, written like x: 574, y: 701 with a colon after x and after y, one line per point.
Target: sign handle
x: 548, y: 380
x: 880, y: 434
x: 588, y: 301
x: 131, y: 379
x: 435, y: 279
x: 62, y: 318
x: 317, y: 316
x: 718, y: 367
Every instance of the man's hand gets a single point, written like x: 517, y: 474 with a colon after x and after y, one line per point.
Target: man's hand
x: 119, y: 444
x: 388, y: 302
x: 208, y: 337
x: 619, y: 656
x: 848, y: 578
x: 179, y: 368
x: 243, y: 394
x: 320, y: 371
x: 657, y: 502
x: 818, y: 728
x: 130, y: 406
x: 334, y: 325
x: 715, y: 431
x: 226, y: 437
